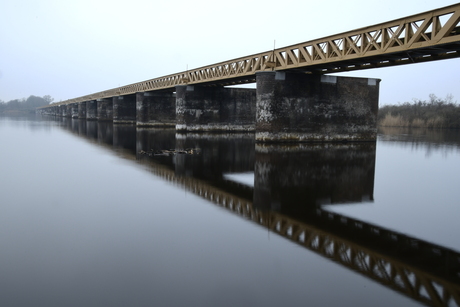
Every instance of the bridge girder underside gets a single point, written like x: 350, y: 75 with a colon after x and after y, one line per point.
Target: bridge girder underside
x: 428, y: 54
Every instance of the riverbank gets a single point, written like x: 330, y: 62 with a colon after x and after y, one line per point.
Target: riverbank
x: 434, y: 113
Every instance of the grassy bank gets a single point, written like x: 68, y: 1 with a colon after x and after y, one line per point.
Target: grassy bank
x: 433, y: 113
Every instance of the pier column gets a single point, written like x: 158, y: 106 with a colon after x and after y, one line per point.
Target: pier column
x: 124, y: 109
x: 49, y: 111
x: 82, y: 110
x: 156, y: 109
x: 91, y: 110
x: 67, y: 110
x: 74, y: 110
x: 105, y: 109
x: 297, y: 107
x: 238, y: 109
x: 214, y: 109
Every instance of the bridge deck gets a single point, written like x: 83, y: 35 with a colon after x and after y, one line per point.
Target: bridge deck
x: 429, y: 36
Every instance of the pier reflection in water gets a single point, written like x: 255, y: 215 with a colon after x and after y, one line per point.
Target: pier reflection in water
x: 291, y: 184
x: 120, y: 232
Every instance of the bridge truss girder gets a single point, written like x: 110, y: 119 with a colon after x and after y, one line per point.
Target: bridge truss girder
x: 429, y: 36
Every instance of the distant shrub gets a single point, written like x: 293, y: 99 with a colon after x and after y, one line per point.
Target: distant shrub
x: 432, y: 113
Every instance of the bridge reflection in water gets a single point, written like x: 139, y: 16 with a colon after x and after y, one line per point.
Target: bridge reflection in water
x: 291, y: 183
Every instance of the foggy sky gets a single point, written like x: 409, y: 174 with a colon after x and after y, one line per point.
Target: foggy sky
x: 68, y: 49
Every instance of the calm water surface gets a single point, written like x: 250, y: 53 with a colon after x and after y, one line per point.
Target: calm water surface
x: 91, y: 215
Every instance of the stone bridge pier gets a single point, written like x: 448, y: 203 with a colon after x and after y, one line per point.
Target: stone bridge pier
x: 284, y: 107
x: 105, y: 109
x: 82, y: 110
x: 124, y: 109
x: 299, y: 107
x: 200, y: 108
x: 156, y: 109
x: 91, y: 110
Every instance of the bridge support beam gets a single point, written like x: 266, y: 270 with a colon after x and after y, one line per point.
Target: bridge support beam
x: 82, y: 110
x: 91, y: 110
x: 124, y: 109
x: 296, y: 107
x: 105, y: 109
x: 201, y: 108
x: 156, y: 109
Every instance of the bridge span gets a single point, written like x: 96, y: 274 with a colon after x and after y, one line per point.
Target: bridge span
x: 296, y: 98
x: 423, y: 271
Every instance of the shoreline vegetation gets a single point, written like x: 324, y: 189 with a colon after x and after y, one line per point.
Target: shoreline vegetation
x: 434, y: 113
x: 20, y: 107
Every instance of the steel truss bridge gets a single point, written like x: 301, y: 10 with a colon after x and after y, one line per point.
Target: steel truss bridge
x: 429, y: 36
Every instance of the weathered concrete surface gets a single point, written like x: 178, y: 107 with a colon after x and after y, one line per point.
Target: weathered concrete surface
x: 82, y: 110
x: 52, y: 111
x: 47, y: 111
x: 124, y: 109
x: 74, y: 110
x: 91, y: 110
x: 156, y: 109
x: 297, y: 107
x: 201, y: 108
x: 67, y: 110
x: 105, y: 109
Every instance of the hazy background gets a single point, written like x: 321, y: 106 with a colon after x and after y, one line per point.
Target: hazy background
x: 67, y: 49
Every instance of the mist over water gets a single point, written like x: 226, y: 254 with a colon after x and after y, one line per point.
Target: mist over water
x: 94, y: 214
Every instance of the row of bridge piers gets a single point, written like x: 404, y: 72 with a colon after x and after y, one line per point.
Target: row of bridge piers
x: 285, y: 106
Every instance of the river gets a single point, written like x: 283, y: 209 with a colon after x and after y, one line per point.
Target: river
x: 96, y: 214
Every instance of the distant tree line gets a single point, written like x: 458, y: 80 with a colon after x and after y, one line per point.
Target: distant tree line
x: 24, y: 106
x: 432, y: 113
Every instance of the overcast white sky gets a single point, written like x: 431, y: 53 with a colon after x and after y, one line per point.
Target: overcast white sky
x: 72, y: 48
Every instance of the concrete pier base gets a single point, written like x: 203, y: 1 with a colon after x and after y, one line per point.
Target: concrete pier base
x: 67, y: 110
x: 91, y: 110
x: 74, y: 110
x: 124, y: 109
x: 82, y: 110
x: 208, y: 109
x: 156, y: 109
x: 297, y: 107
x: 104, y: 109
